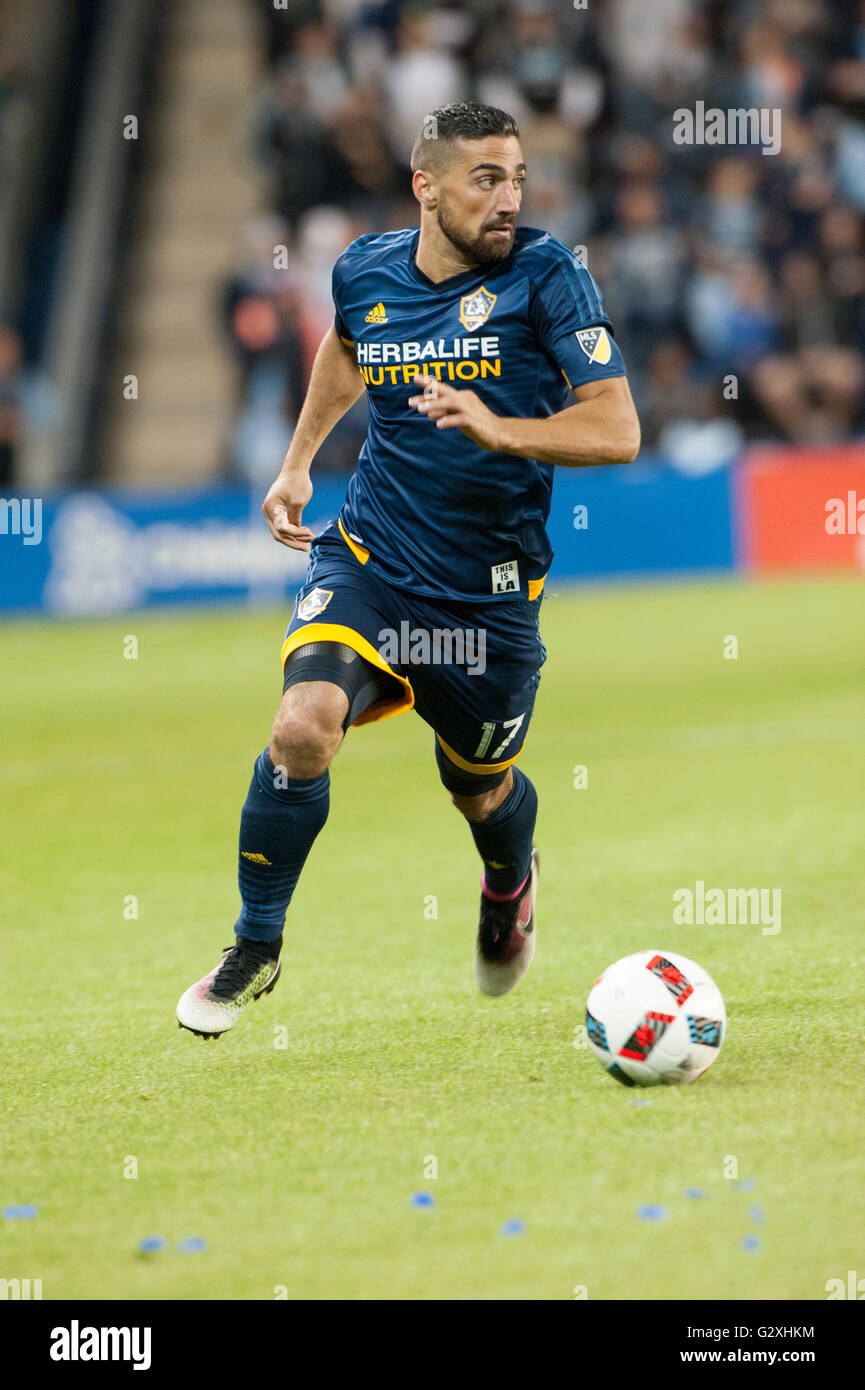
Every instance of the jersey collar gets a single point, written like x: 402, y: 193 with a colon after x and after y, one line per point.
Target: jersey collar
x: 453, y: 282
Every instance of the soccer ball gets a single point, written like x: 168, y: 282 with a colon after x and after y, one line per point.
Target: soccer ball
x: 655, y: 1017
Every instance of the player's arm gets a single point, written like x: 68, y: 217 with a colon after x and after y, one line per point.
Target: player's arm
x: 601, y: 428
x: 334, y: 386
x: 567, y: 317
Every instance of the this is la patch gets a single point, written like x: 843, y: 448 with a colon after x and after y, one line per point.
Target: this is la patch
x: 315, y: 602
x: 595, y: 343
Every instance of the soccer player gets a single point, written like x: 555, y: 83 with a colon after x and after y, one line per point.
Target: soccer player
x: 487, y: 359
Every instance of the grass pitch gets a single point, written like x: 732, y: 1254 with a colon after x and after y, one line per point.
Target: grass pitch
x: 294, y: 1145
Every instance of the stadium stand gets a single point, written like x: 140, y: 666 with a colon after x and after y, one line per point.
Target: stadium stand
x: 273, y: 135
x: 716, y: 261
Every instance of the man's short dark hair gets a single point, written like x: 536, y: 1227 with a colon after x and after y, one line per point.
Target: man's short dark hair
x: 459, y: 120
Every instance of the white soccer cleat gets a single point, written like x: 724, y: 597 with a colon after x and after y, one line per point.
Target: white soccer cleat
x: 246, y: 971
x: 506, y: 937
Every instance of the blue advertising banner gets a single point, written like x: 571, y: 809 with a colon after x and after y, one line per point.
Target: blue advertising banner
x: 87, y: 554
x: 643, y: 519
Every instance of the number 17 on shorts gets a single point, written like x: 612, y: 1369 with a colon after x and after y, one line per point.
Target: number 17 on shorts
x: 507, y: 729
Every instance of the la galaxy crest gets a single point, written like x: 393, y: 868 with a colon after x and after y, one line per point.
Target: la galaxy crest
x: 476, y: 308
x: 314, y: 603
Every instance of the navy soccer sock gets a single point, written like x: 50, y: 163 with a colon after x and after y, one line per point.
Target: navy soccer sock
x: 504, y: 839
x: 279, y: 822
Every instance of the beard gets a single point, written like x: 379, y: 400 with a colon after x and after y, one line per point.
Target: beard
x: 479, y: 250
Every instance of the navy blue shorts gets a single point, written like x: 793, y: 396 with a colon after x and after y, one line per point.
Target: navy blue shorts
x: 471, y: 671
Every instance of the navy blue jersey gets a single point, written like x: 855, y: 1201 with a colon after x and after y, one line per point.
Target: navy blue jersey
x: 427, y: 509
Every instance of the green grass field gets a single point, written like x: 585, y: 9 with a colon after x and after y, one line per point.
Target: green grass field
x: 293, y: 1146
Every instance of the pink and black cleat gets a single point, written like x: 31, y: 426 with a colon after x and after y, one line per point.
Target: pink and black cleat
x: 506, y: 935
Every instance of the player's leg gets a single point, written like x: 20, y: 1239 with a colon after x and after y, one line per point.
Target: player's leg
x: 501, y: 818
x: 327, y: 687
x: 286, y: 805
x: 480, y: 706
x: 333, y: 677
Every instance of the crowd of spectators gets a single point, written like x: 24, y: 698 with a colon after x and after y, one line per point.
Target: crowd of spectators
x: 735, y: 279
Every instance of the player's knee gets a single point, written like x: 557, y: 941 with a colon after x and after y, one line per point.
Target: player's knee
x: 308, y: 730
x: 482, y: 805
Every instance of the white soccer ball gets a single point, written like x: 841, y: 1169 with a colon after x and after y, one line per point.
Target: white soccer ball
x: 655, y: 1017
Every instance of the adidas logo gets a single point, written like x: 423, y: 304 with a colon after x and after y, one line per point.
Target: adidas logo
x: 377, y: 314
x: 256, y: 858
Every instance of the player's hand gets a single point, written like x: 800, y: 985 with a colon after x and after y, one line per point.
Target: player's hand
x: 283, y: 506
x: 463, y: 410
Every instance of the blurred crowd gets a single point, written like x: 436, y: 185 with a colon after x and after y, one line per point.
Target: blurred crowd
x: 27, y: 397
x: 735, y: 280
